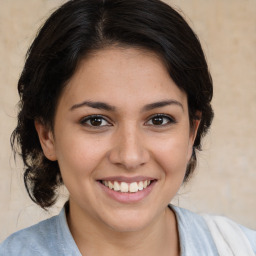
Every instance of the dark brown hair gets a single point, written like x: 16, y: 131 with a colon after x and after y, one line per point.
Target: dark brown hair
x: 73, y: 31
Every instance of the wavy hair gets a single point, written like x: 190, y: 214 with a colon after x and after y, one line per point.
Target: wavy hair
x: 73, y: 31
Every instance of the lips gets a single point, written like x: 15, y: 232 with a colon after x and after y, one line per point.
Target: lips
x: 127, y: 190
x: 125, y: 187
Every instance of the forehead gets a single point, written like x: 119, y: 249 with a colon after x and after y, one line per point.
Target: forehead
x: 120, y: 76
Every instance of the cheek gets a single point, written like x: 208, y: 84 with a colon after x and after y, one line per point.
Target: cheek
x: 79, y: 155
x: 172, y: 155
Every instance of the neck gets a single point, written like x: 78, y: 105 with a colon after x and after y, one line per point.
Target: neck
x: 93, y: 238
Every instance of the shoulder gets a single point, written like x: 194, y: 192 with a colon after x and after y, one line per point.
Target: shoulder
x: 251, y: 236
x: 194, y: 234
x: 213, y: 233
x: 32, y: 240
x: 48, y: 237
x: 230, y: 236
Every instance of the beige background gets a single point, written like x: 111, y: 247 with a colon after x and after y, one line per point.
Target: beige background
x: 224, y: 182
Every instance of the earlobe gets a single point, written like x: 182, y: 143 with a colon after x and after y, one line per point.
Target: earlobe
x: 46, y: 138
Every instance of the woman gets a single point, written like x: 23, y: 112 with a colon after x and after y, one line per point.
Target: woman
x: 115, y: 99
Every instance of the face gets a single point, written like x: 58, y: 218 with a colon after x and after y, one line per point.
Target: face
x: 122, y: 138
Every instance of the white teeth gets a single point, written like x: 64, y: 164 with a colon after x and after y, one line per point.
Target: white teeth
x: 116, y: 186
x: 110, y: 185
x: 124, y: 187
x: 140, y: 187
x: 134, y: 187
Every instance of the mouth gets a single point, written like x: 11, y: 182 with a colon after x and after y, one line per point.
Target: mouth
x: 125, y: 187
x: 127, y: 190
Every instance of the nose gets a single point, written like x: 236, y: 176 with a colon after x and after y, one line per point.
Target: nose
x: 129, y: 149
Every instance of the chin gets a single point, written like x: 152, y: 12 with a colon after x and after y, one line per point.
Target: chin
x: 127, y: 226
x: 129, y: 221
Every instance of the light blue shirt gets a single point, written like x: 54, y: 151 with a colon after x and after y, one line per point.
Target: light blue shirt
x: 52, y: 237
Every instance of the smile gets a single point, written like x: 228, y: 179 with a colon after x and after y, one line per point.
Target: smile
x: 125, y: 187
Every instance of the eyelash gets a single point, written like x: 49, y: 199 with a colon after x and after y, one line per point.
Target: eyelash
x: 168, y: 120
x: 90, y: 118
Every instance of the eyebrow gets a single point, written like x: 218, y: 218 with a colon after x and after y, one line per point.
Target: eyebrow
x: 92, y: 104
x: 161, y: 104
x: 108, y: 107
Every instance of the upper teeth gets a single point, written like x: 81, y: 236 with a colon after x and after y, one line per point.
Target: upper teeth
x: 126, y: 187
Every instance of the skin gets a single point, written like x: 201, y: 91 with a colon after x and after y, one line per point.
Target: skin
x: 126, y: 142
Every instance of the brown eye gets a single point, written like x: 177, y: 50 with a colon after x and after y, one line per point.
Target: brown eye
x: 157, y: 120
x: 160, y: 120
x: 94, y: 121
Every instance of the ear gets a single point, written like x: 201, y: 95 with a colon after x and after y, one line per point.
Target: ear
x: 195, y: 126
x: 193, y: 132
x: 46, y: 140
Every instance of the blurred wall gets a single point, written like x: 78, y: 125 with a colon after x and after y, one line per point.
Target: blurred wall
x: 224, y: 182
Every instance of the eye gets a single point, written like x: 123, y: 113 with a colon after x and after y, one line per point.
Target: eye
x: 95, y: 121
x: 160, y: 120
